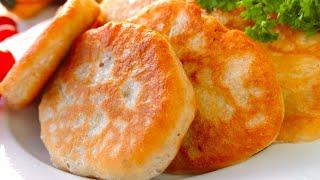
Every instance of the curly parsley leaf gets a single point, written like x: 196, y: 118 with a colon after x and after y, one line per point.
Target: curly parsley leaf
x: 260, y: 11
x: 226, y: 5
x: 301, y: 14
x: 266, y: 14
x: 262, y: 31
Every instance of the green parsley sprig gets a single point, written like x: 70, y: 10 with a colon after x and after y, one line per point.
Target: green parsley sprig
x: 303, y: 15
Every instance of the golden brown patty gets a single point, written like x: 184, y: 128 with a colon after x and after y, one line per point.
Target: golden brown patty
x: 119, y: 107
x: 29, y: 75
x: 297, y: 60
x: 239, y: 103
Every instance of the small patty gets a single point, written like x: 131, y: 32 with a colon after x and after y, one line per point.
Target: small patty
x: 30, y: 74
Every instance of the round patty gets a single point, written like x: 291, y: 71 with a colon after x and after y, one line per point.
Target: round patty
x: 239, y: 102
x: 296, y: 57
x: 120, y: 105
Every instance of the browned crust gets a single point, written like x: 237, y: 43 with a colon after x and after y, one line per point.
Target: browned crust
x: 114, y: 140
x: 296, y: 57
x: 28, y: 76
x: 226, y: 68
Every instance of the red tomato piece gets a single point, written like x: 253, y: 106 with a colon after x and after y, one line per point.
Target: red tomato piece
x: 7, y: 20
x: 6, y: 62
x: 6, y: 31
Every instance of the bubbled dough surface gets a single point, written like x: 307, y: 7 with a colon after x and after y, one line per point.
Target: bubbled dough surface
x: 296, y: 58
x: 103, y: 114
x: 239, y: 104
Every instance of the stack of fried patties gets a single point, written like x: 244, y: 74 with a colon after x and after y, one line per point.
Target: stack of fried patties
x: 167, y: 89
x: 295, y: 55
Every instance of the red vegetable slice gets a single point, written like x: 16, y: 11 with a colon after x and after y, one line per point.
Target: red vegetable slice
x: 6, y: 62
x: 6, y: 31
x: 7, y: 20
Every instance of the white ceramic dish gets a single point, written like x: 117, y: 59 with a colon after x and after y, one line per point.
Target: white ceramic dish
x: 23, y: 156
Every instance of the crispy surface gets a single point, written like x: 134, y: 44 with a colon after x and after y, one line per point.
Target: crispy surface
x: 28, y: 76
x: 118, y: 10
x: 239, y: 103
x: 297, y: 60
x: 119, y: 107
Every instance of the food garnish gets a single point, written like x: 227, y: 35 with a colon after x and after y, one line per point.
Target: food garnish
x: 6, y: 62
x: 301, y: 15
x: 7, y: 27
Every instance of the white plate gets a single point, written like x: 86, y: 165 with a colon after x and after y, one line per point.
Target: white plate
x: 23, y: 156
